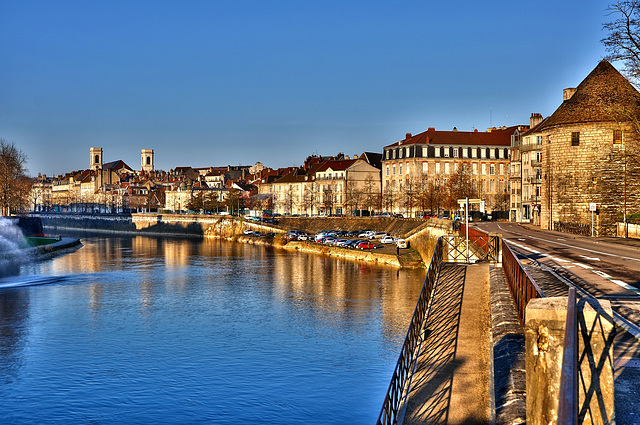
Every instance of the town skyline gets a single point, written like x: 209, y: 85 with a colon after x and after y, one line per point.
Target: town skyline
x: 215, y: 84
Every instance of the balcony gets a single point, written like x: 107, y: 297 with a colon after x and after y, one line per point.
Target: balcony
x: 530, y: 147
x: 536, y: 163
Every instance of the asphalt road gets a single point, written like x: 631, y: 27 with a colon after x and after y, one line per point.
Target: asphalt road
x: 606, y: 268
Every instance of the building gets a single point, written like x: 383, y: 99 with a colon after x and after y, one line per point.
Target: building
x: 428, y: 172
x: 525, y: 175
x: 590, y: 155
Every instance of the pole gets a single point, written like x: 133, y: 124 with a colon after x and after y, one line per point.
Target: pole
x: 466, y: 227
x: 591, y: 223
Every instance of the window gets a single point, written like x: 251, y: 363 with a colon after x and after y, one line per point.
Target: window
x: 474, y: 167
x: 492, y: 169
x: 437, y: 168
x: 483, y: 153
x: 394, y: 154
x: 446, y: 152
x: 474, y: 153
x: 425, y: 167
x: 465, y: 153
x: 148, y: 160
x: 394, y: 169
x: 446, y: 168
x: 400, y: 169
x: 388, y: 155
x: 424, y: 151
x: 437, y: 152
x: 500, y: 153
x: 539, y: 140
x: 387, y: 168
x: 455, y: 152
x: 406, y: 152
x: 483, y: 169
x: 400, y: 153
x: 492, y: 153
x: 575, y: 138
x: 501, y: 169
x: 617, y: 136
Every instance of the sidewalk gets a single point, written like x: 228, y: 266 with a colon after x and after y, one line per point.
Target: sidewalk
x: 452, y: 380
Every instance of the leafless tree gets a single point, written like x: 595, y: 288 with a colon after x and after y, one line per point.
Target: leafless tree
x: 14, y: 183
x: 623, y: 41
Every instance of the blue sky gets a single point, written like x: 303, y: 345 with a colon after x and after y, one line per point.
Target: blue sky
x: 235, y: 82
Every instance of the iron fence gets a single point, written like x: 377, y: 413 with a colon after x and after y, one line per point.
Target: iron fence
x: 488, y: 244
x: 408, y: 353
x: 522, y: 286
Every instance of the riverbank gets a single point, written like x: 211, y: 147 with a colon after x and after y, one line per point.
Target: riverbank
x: 421, y: 234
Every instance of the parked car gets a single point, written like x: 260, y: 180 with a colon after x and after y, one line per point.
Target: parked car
x: 401, y: 243
x: 247, y: 231
x: 366, y: 245
x: 387, y: 239
x: 378, y: 235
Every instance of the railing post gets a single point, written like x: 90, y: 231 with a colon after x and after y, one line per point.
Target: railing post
x: 568, y: 403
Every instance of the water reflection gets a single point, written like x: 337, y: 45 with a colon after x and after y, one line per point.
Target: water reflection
x: 216, y: 325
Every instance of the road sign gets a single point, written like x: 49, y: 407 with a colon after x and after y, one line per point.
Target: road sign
x: 593, y: 206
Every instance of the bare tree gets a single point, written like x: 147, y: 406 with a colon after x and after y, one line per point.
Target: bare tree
x: 13, y: 179
x: 309, y: 200
x: 623, y: 41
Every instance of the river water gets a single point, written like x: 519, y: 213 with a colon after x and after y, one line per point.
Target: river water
x: 165, y: 330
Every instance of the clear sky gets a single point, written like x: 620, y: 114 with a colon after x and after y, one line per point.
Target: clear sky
x: 235, y: 82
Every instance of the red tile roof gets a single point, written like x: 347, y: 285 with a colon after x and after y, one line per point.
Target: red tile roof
x: 495, y: 137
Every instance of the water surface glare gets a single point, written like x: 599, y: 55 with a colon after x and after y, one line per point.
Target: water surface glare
x: 160, y: 330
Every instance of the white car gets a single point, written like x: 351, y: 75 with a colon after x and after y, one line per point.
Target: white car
x: 401, y: 243
x: 387, y: 239
x: 378, y: 235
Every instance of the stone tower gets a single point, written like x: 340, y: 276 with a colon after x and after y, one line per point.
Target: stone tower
x: 146, y: 160
x: 95, y: 158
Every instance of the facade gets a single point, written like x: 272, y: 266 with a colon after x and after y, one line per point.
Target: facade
x: 589, y: 155
x: 332, y: 187
x: 426, y: 164
x: 526, y: 173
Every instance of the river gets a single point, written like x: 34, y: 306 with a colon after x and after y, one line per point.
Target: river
x: 143, y: 330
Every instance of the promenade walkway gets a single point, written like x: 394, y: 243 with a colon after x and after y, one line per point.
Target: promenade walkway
x: 452, y: 380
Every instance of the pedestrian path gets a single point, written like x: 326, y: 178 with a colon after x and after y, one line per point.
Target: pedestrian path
x: 451, y: 383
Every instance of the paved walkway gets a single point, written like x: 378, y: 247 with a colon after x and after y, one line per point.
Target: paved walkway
x: 451, y: 384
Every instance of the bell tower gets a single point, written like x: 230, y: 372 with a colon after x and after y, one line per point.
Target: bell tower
x: 146, y: 160
x: 95, y: 158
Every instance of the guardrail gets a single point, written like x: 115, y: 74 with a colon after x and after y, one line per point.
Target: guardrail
x: 408, y: 354
x: 489, y: 244
x: 522, y: 286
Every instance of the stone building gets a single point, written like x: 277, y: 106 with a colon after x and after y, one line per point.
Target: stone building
x: 589, y: 155
x: 436, y: 156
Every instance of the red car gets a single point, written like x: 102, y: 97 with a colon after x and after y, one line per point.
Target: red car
x: 366, y: 245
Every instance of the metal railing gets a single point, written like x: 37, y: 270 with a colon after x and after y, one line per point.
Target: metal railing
x: 568, y: 403
x: 522, y: 286
x: 487, y: 243
x: 408, y: 353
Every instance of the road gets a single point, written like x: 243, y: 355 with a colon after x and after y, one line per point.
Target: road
x: 605, y: 268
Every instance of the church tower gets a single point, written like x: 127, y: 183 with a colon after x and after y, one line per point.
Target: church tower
x: 146, y: 160
x: 95, y: 158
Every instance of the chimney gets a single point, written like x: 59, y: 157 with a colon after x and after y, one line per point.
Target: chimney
x: 407, y: 136
x: 535, y: 119
x: 455, y: 129
x: 431, y: 129
x: 568, y: 93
